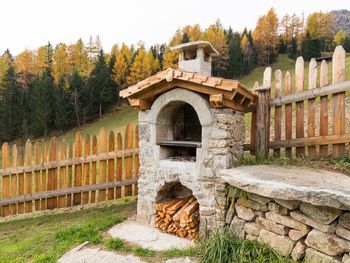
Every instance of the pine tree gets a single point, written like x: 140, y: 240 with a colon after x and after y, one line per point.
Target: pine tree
x: 75, y: 89
x: 185, y: 38
x: 41, y: 110
x: 101, y: 88
x: 311, y: 47
x: 63, y: 107
x: 235, y: 64
x: 11, y: 108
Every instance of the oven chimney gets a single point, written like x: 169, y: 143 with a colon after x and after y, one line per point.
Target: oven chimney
x: 196, y: 57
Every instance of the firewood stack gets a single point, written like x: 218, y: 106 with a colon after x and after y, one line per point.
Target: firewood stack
x: 179, y: 216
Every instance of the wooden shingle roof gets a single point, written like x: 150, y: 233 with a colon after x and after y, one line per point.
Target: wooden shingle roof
x: 221, y: 92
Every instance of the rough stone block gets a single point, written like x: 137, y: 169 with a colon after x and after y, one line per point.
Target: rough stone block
x: 290, y: 204
x: 252, y: 229
x: 258, y: 198
x: 237, y: 227
x: 229, y: 215
x: 253, y: 205
x: 298, y: 251
x: 272, y: 226
x: 277, y: 208
x: 342, y: 232
x: 251, y: 237
x: 295, y: 235
x: 327, y: 243
x: 219, y: 134
x: 245, y: 213
x: 346, y: 258
x: 311, y: 222
x: 286, y: 221
x: 281, y: 244
x: 314, y: 256
x: 344, y: 220
x: 322, y: 214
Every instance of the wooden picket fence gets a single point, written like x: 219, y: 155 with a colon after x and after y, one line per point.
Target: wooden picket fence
x: 63, y: 175
x: 302, y: 122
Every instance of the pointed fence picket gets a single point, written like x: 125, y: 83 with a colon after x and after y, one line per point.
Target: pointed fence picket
x: 304, y: 121
x: 42, y: 176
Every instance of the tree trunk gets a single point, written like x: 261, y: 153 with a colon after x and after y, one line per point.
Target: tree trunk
x: 100, y: 109
x: 76, y: 107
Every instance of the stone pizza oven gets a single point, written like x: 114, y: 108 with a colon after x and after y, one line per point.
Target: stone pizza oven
x: 191, y: 126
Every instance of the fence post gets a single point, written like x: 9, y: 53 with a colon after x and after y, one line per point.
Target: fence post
x: 263, y: 116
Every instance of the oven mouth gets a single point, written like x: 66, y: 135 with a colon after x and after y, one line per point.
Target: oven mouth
x: 178, y: 132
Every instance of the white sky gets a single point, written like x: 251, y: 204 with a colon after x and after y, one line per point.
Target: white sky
x: 31, y: 23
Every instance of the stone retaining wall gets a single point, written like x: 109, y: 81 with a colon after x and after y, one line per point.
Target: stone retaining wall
x: 296, y: 229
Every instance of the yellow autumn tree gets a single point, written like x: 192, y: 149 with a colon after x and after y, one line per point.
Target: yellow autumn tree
x: 170, y: 59
x: 265, y: 37
x: 60, y: 62
x: 153, y: 62
x: 121, y: 66
x: 78, y: 58
x: 216, y: 36
x: 340, y: 37
x: 40, y: 59
x: 25, y: 67
x: 193, y: 33
x: 140, y: 68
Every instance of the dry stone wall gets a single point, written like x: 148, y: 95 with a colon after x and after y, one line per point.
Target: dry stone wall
x: 296, y: 229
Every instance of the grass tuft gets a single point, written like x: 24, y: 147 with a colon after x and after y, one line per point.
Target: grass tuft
x: 223, y: 247
x: 177, y: 253
x: 144, y: 252
x: 117, y: 244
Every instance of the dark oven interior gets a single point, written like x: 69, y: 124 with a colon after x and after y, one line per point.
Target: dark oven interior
x: 179, y: 132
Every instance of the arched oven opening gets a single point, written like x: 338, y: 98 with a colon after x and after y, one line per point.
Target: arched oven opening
x: 177, y: 211
x: 179, y: 132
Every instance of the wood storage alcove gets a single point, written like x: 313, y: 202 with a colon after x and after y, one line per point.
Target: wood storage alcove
x: 177, y: 211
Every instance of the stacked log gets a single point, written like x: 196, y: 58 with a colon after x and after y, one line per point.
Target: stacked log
x: 179, y: 216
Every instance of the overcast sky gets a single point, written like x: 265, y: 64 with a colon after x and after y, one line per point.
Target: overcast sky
x: 31, y: 23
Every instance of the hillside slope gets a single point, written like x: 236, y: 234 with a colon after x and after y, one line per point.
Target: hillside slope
x: 285, y: 64
x: 117, y: 120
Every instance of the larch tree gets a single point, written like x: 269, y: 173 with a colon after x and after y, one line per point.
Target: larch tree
x: 321, y: 25
x: 121, y: 66
x: 60, y: 62
x: 78, y: 58
x: 216, y: 36
x: 340, y: 37
x: 170, y: 59
x: 25, y: 67
x: 265, y: 37
x: 140, y: 68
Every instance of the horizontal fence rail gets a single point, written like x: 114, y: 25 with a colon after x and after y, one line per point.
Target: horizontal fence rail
x: 42, y: 176
x: 294, y: 119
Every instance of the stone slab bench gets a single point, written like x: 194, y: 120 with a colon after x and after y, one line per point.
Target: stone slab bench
x: 318, y: 187
x: 300, y: 212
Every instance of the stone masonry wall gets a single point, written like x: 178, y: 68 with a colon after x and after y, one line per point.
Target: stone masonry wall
x: 296, y: 229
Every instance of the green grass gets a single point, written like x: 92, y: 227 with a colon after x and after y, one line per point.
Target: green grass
x: 116, y: 121
x: 46, y: 238
x: 223, y: 247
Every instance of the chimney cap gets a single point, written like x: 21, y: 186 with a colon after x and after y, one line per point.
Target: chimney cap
x: 195, y: 45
